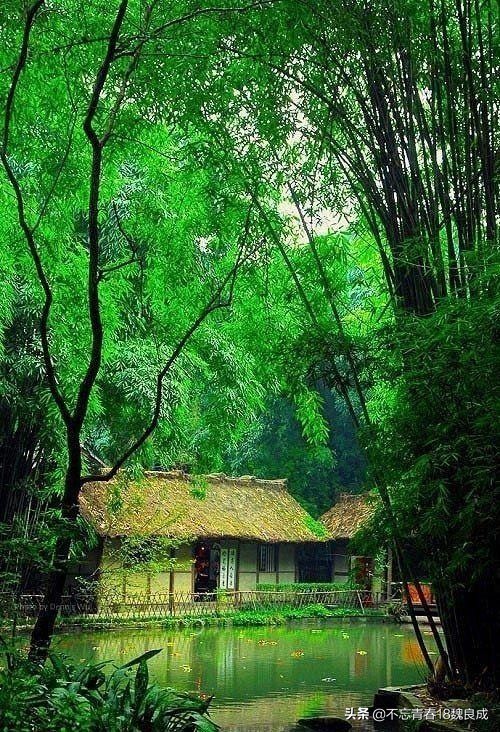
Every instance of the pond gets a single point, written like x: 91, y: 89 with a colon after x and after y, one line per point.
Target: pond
x: 264, y: 679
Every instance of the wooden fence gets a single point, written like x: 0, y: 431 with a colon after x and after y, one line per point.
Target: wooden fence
x: 113, y: 607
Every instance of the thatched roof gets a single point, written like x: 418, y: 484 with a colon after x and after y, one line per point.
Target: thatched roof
x: 348, y: 515
x: 180, y: 506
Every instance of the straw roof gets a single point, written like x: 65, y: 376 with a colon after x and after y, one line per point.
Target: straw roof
x: 173, y: 504
x: 348, y: 515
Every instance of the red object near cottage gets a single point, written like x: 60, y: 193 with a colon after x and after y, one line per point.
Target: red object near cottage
x: 426, y: 590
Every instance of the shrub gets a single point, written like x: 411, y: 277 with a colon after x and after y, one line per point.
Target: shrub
x: 63, y: 697
x: 270, y: 615
x: 307, y: 586
x: 279, y: 616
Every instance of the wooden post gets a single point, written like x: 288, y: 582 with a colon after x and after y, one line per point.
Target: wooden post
x: 237, y: 569
x: 388, y: 592
x: 171, y: 584
x: 277, y: 562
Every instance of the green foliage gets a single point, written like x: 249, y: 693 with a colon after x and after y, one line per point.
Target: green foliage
x: 362, y: 171
x: 307, y: 586
x: 145, y: 553
x: 226, y: 612
x: 275, y: 447
x: 268, y: 615
x: 199, y: 487
x: 438, y: 452
x: 278, y: 616
x: 62, y: 696
x: 309, y: 413
x: 226, y: 615
x: 316, y: 527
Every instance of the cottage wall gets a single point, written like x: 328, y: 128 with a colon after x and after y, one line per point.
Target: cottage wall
x: 159, y: 583
x: 268, y: 578
x: 248, y: 573
x: 120, y: 584
x: 341, y: 561
x: 285, y: 566
x: 183, y: 574
x: 111, y: 580
x: 286, y: 563
x: 247, y: 579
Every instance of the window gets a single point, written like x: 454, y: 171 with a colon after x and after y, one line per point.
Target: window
x: 267, y: 557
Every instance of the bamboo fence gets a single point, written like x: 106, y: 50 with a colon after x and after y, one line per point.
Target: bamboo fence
x: 114, y: 607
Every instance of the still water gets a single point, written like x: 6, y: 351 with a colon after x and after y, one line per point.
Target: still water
x: 264, y: 679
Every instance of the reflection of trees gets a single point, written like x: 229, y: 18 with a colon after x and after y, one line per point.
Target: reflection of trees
x: 231, y: 664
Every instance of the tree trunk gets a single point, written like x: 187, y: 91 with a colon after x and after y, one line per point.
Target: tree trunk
x: 56, y: 580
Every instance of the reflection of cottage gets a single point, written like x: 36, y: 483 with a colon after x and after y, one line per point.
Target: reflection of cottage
x: 228, y: 532
x: 342, y: 522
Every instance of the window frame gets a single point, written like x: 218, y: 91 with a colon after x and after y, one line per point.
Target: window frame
x: 267, y: 559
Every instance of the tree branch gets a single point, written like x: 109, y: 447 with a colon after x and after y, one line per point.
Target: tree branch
x: 215, y: 303
x: 198, y: 13
x: 102, y: 75
x: 97, y: 145
x: 21, y: 63
x: 21, y: 215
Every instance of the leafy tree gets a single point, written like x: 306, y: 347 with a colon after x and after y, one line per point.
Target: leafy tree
x: 94, y: 235
x: 316, y: 473
x: 440, y: 458
x: 384, y: 114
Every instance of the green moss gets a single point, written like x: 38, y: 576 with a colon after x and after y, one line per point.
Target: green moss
x: 199, y: 487
x: 316, y: 527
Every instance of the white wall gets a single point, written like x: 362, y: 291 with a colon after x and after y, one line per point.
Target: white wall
x: 247, y: 579
x: 286, y: 563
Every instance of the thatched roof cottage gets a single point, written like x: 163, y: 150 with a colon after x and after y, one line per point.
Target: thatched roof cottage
x: 220, y: 532
x: 342, y: 522
x: 346, y: 517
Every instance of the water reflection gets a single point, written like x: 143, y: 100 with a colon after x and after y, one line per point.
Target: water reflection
x: 263, y: 679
